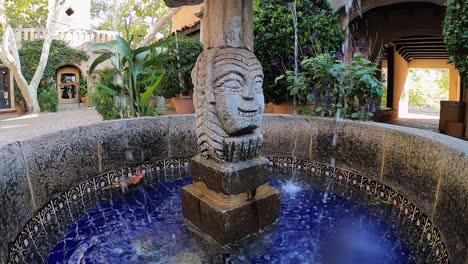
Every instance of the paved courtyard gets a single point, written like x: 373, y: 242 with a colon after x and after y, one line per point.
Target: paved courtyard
x: 18, y: 127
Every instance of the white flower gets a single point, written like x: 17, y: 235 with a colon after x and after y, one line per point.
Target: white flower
x: 26, y: 242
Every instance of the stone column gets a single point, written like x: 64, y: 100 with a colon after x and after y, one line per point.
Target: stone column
x: 230, y: 197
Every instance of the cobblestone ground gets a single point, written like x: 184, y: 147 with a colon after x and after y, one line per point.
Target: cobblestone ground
x: 426, y: 119
x: 15, y: 127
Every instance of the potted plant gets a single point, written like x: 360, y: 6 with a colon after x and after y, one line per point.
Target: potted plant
x: 83, y: 91
x: 177, y: 83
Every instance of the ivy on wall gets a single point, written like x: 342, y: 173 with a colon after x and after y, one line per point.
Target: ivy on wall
x: 60, y: 54
x: 455, y: 32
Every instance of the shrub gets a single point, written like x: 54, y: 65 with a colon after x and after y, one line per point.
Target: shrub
x: 318, y: 29
x: 350, y: 88
x: 455, y: 31
x: 102, y: 101
x: 83, y: 86
x: 189, y: 50
x: 104, y: 105
x: 48, y: 100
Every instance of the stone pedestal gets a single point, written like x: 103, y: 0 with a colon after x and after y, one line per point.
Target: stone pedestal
x: 229, y: 219
x: 229, y: 201
x: 229, y: 178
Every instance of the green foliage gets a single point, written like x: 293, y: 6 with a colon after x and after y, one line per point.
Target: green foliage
x: 350, y: 88
x: 318, y: 29
x: 26, y: 13
x: 455, y: 31
x: 102, y: 101
x: 60, y: 54
x: 139, y: 12
x: 189, y: 50
x: 428, y: 87
x: 48, y: 98
x: 83, y: 86
x: 384, y: 99
x: 137, y: 73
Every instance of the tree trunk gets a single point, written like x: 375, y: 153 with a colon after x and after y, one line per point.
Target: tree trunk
x: 10, y: 57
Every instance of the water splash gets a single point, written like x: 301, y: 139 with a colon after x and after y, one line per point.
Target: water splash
x: 291, y: 188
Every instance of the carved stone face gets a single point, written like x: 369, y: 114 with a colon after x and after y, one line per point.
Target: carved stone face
x: 238, y: 81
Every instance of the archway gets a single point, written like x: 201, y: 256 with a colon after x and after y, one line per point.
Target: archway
x: 67, y: 80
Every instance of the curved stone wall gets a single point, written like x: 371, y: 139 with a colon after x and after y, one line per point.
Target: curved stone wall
x: 429, y: 169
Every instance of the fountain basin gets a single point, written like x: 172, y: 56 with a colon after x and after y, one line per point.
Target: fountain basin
x: 424, y: 173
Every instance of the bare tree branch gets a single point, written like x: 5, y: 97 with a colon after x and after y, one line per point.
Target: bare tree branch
x: 158, y: 26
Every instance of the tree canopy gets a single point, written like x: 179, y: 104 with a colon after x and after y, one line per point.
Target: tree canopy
x: 140, y: 13
x: 26, y: 13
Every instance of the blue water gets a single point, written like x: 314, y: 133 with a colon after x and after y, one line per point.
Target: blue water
x: 145, y: 225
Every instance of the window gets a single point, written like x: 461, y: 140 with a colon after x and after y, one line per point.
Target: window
x: 68, y: 77
x: 5, y: 93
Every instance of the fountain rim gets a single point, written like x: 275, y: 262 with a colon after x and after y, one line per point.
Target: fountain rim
x: 176, y: 126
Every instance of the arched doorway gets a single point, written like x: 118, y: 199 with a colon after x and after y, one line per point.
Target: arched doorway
x: 67, y: 80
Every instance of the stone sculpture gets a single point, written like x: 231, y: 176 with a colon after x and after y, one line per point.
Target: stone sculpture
x: 229, y: 104
x: 230, y: 197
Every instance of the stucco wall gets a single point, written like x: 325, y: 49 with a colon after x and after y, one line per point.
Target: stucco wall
x: 400, y: 94
x: 429, y: 169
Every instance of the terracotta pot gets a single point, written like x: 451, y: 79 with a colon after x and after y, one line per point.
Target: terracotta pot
x: 285, y: 108
x: 19, y: 110
x: 83, y: 99
x: 269, y: 109
x: 183, y: 104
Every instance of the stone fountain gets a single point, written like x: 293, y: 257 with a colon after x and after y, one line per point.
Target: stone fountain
x: 230, y: 197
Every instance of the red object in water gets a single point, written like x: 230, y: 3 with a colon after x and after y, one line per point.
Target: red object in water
x: 135, y: 179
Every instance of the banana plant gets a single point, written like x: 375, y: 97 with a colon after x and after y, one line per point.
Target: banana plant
x: 135, y: 79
